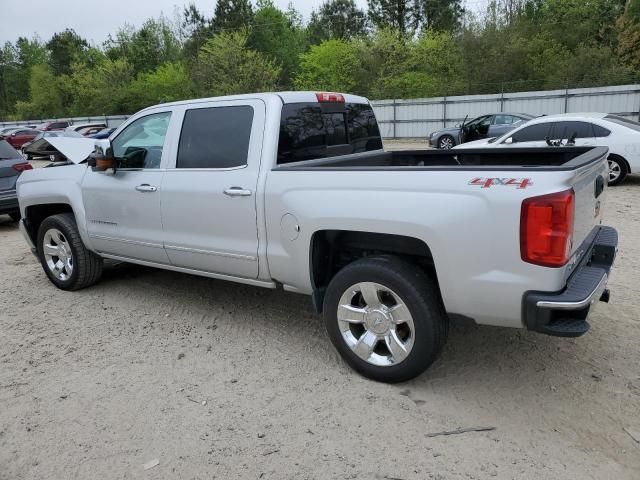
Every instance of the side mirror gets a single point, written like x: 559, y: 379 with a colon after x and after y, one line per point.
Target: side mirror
x: 102, y: 159
x: 508, y: 141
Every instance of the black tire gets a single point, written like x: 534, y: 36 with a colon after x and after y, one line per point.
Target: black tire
x: 87, y: 266
x: 445, y: 142
x: 419, y: 293
x: 15, y: 216
x: 621, y: 165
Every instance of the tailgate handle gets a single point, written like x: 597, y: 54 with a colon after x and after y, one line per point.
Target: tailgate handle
x: 599, y: 186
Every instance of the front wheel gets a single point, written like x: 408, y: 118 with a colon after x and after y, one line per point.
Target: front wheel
x: 15, y: 216
x: 385, y: 318
x: 617, y: 170
x: 64, y: 258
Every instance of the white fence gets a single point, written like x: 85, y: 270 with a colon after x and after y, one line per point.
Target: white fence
x: 417, y: 118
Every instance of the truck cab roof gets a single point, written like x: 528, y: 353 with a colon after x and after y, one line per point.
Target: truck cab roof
x: 285, y: 97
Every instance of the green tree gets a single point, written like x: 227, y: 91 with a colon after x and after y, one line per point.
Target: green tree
x: 231, y: 15
x: 334, y: 65
x: 440, y: 15
x: 401, y: 15
x: 64, y: 49
x: 278, y: 36
x: 226, y: 66
x: 628, y: 26
x: 147, y: 48
x: 99, y: 89
x: 337, y: 19
x: 168, y: 83
x: 196, y: 29
x: 45, y: 95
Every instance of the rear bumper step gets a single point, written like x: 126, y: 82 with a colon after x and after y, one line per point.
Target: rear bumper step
x: 564, y: 313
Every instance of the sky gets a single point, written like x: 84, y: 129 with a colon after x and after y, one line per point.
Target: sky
x: 94, y: 20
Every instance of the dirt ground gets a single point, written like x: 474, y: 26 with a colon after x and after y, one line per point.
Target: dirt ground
x: 218, y: 380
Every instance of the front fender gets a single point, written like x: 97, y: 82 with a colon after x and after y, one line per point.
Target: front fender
x: 50, y: 186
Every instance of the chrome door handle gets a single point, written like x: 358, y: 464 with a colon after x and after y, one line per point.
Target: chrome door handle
x: 146, y: 188
x: 237, y: 192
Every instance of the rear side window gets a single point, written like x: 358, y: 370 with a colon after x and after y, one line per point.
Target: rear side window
x: 216, y: 137
x: 310, y: 131
x: 600, y: 131
x: 533, y: 133
x: 59, y: 125
x: 568, y: 129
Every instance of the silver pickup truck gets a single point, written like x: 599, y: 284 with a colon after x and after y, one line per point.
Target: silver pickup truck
x: 294, y: 190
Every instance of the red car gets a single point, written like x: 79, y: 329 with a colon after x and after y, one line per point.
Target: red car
x: 18, y: 138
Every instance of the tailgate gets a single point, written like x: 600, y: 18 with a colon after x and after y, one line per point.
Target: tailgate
x: 590, y: 187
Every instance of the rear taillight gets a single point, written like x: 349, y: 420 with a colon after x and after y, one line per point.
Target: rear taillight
x: 21, y: 167
x: 330, y: 97
x: 546, y: 229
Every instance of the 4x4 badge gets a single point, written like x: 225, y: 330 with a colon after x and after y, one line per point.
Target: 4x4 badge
x: 519, y: 183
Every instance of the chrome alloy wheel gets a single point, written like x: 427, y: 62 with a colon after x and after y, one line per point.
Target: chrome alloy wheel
x: 376, y: 324
x: 614, y: 171
x: 57, y: 254
x: 446, y: 143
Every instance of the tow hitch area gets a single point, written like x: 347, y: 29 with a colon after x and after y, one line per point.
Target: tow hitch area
x: 564, y: 313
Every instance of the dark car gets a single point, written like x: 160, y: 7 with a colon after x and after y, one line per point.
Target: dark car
x: 40, y: 147
x: 102, y: 134
x: 17, y: 138
x: 11, y: 166
x: 53, y: 126
x: 486, y: 126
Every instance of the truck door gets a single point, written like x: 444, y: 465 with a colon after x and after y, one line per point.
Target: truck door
x: 123, y: 210
x: 208, y: 194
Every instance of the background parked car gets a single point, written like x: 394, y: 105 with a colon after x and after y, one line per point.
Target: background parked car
x: 11, y: 166
x: 492, y: 125
x: 102, y: 134
x: 622, y: 136
x: 54, y: 126
x: 40, y: 147
x: 87, y: 128
x: 7, y: 130
x: 17, y: 138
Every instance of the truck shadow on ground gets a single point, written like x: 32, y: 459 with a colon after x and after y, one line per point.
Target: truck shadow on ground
x: 482, y: 355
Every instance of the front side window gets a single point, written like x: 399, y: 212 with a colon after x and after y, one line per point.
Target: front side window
x: 216, y: 137
x: 140, y: 144
x: 532, y: 133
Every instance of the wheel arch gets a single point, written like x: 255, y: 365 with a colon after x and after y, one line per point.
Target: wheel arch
x: 620, y: 157
x: 331, y: 250
x: 36, y: 214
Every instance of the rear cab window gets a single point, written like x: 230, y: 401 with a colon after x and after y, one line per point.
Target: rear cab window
x: 311, y: 131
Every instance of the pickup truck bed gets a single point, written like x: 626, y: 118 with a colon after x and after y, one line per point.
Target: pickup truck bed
x: 519, y: 159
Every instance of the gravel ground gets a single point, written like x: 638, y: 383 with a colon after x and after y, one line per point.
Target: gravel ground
x: 217, y: 380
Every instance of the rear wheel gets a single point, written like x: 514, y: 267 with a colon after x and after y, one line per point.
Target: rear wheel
x: 64, y: 258
x: 385, y: 317
x: 618, y: 170
x: 446, y: 142
x: 15, y: 216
